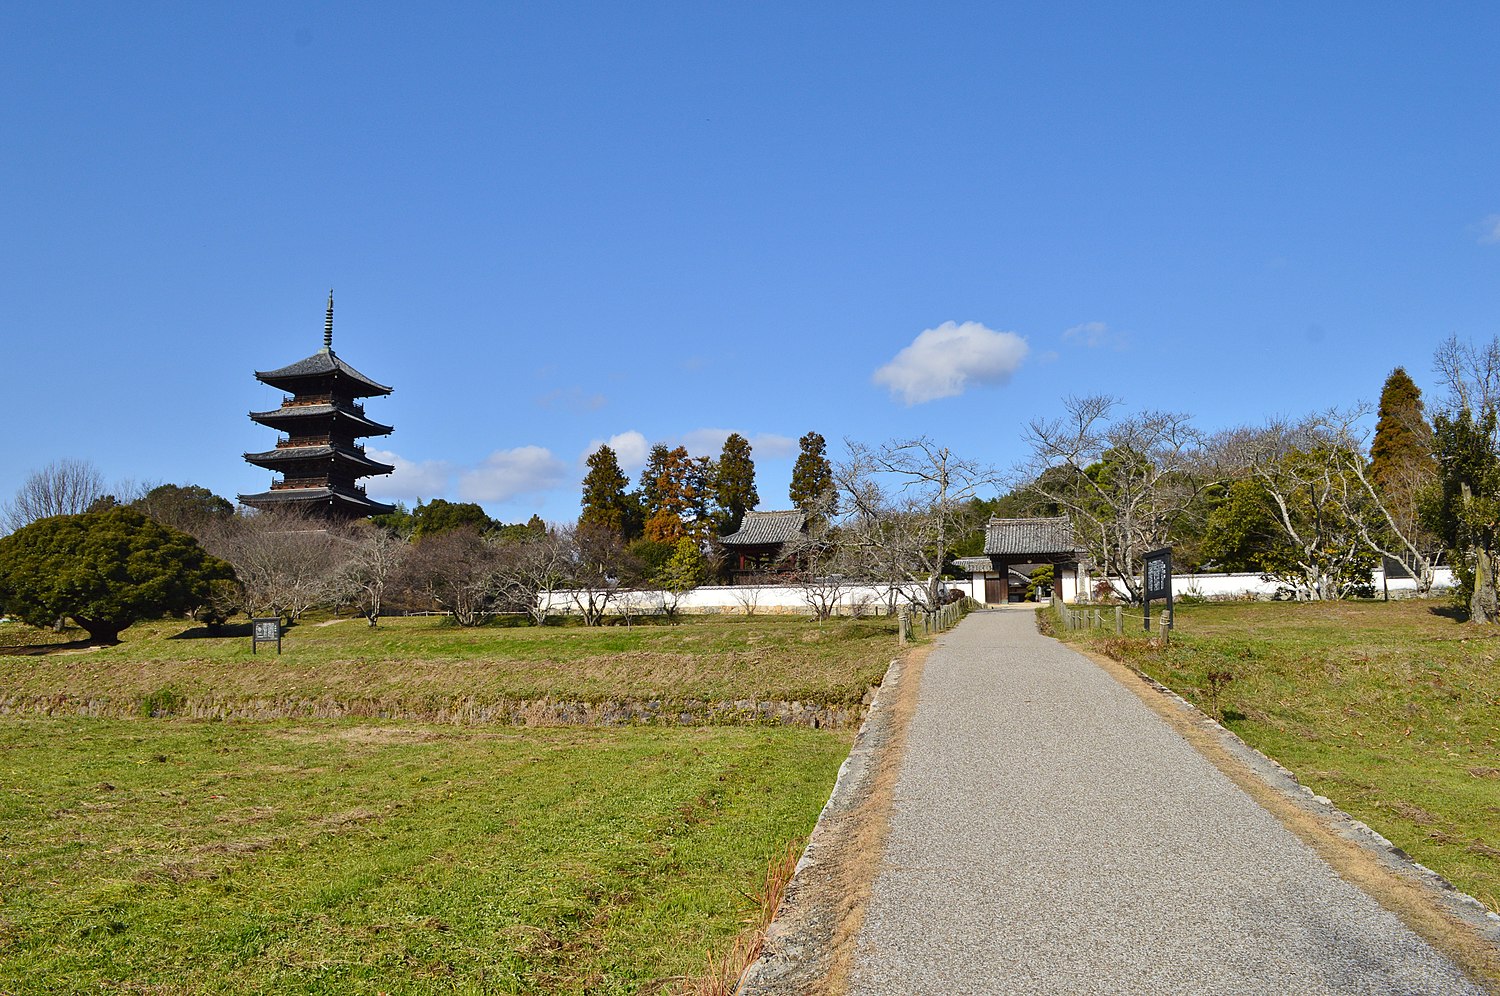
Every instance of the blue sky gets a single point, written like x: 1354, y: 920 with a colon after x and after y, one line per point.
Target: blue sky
x: 553, y: 224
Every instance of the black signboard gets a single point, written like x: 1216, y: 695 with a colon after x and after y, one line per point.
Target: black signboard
x: 265, y: 631
x: 1158, y: 571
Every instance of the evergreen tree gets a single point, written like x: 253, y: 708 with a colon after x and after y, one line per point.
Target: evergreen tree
x: 685, y: 569
x: 605, y: 503
x: 1464, y: 510
x: 812, y: 477
x: 108, y: 569
x: 735, y: 484
x: 441, y: 516
x: 1402, y: 449
x: 671, y: 492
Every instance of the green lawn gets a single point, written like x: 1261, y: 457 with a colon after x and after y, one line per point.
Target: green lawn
x: 1392, y: 710
x: 416, y: 661
x: 169, y: 856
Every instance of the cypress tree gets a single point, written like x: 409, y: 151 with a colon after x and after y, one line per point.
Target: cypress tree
x: 604, y: 501
x: 1402, y: 447
x: 812, y: 477
x: 735, y: 484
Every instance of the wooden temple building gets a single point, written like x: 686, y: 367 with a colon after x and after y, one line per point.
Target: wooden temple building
x: 764, y: 544
x: 318, y: 457
x: 1014, y: 548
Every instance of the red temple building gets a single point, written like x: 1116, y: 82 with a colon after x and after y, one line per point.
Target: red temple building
x: 318, y: 457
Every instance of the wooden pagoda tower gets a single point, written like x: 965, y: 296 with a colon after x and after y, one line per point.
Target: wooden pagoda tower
x: 318, y: 457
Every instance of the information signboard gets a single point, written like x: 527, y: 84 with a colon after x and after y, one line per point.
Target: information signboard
x: 265, y: 631
x: 1158, y: 578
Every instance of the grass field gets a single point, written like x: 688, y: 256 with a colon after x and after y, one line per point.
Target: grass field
x: 427, y: 659
x: 1392, y: 710
x: 167, y: 856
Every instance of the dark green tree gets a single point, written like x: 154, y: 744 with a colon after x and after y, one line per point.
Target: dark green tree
x: 812, y: 487
x: 735, y: 485
x: 605, y: 503
x: 106, y: 569
x: 1401, y: 451
x: 187, y: 507
x: 439, y: 516
x: 1464, y: 509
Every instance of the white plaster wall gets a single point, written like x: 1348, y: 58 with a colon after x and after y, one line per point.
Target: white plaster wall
x: 770, y: 599
x: 1227, y: 586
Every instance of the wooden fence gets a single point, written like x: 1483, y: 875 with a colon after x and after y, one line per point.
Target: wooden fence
x: 1107, y: 617
x: 911, y: 622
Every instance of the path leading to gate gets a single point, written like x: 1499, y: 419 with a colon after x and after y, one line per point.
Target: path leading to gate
x: 1050, y: 834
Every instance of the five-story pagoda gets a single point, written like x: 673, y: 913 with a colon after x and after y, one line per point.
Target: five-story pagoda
x: 318, y: 458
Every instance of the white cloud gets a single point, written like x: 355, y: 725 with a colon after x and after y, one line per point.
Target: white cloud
x: 630, y: 450
x: 945, y: 361
x: 1095, y: 335
x: 705, y: 442
x: 1489, y: 230
x: 505, y: 474
x: 410, y: 480
x: 769, y: 446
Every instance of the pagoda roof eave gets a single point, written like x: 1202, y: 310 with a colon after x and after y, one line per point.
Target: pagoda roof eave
x: 297, y: 413
x: 294, y: 454
x: 301, y: 496
x: 323, y: 363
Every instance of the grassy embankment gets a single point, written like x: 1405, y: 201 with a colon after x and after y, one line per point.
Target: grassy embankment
x: 165, y: 855
x: 420, y: 660
x: 1392, y: 710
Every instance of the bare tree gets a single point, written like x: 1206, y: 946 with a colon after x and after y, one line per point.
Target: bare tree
x: 1387, y: 518
x: 906, y: 502
x: 1124, y: 481
x: 457, y: 569
x: 286, y: 562
x: 1472, y: 375
x: 66, y: 487
x: 1321, y: 511
x: 748, y: 597
x: 528, y: 570
x: 822, y: 565
x: 601, y: 571
x: 373, y: 561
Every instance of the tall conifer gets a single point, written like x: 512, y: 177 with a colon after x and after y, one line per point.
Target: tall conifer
x: 1402, y: 448
x: 735, y: 483
x: 604, y: 499
x: 812, y: 477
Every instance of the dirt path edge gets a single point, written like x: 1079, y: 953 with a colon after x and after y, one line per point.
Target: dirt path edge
x: 809, y: 945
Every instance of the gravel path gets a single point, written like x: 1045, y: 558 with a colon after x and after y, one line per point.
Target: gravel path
x: 1052, y: 835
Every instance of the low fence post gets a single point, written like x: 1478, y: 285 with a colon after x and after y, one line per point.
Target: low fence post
x: 1119, y: 620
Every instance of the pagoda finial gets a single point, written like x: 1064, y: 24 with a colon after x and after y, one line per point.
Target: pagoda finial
x: 328, y: 324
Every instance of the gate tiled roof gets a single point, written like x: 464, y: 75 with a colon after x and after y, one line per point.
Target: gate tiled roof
x: 1012, y: 537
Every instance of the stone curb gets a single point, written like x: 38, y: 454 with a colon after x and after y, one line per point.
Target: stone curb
x: 798, y: 941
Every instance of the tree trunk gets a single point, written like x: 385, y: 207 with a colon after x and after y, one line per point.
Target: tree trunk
x: 1484, y: 605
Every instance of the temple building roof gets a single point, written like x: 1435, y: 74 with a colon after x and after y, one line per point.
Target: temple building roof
x: 767, y: 527
x: 1019, y: 537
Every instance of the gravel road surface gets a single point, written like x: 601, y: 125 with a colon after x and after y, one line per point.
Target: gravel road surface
x: 1051, y: 835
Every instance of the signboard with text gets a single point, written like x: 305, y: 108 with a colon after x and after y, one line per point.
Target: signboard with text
x: 1158, y: 582
x: 265, y: 631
